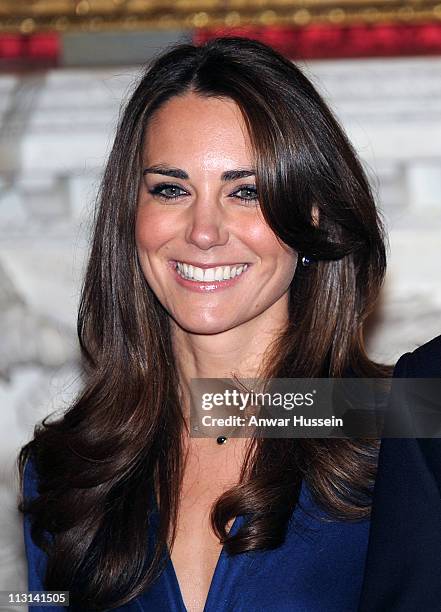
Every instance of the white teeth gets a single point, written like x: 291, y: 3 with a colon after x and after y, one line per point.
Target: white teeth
x: 209, y: 274
x: 218, y: 273
x: 198, y: 274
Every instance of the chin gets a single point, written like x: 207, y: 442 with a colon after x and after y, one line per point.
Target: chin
x: 203, y: 326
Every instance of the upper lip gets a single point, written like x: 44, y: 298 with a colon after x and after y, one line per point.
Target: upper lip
x: 212, y: 265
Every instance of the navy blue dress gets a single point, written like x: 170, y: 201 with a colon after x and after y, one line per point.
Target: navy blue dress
x: 319, y: 568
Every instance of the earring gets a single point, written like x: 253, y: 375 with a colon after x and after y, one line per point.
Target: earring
x: 306, y: 261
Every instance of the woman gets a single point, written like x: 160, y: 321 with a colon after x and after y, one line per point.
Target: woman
x: 236, y: 235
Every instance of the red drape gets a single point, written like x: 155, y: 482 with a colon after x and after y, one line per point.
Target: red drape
x: 17, y: 49
x: 326, y: 41
x: 309, y: 42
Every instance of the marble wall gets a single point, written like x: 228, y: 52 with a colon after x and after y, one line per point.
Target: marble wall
x: 55, y: 132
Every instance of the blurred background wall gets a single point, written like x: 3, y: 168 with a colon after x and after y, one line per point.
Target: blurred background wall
x: 62, y: 79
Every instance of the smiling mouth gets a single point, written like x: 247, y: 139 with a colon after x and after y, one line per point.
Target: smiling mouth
x: 204, y: 275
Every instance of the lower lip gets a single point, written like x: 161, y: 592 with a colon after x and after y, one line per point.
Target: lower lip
x: 208, y: 286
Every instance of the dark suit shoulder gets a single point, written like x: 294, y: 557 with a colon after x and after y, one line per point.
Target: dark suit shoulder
x: 423, y: 362
x: 404, y: 553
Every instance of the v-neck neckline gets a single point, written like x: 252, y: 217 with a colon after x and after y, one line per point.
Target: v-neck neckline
x: 170, y: 572
x: 215, y: 578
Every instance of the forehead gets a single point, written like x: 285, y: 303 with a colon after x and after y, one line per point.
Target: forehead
x: 197, y: 128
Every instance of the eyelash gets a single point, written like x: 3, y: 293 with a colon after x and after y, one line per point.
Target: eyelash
x: 156, y: 191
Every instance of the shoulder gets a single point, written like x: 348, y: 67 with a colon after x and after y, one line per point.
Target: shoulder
x: 36, y: 558
x: 30, y: 480
x: 405, y: 533
x: 424, y: 362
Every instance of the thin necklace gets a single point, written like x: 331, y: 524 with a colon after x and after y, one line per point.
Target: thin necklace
x: 223, y: 439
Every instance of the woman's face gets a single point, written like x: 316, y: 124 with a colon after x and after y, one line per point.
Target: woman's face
x: 199, y: 222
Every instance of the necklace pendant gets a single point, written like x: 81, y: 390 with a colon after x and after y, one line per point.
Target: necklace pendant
x: 221, y: 439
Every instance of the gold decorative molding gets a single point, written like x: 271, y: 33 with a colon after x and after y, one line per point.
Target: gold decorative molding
x: 29, y: 16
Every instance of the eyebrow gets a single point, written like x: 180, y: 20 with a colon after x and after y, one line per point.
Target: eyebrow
x: 228, y: 175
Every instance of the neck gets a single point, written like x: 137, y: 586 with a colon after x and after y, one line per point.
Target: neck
x: 237, y: 352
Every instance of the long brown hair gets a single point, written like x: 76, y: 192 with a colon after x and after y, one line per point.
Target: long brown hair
x: 97, y: 464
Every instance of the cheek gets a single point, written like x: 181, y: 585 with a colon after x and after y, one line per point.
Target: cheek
x: 268, y: 246
x: 287, y: 264
x: 151, y: 230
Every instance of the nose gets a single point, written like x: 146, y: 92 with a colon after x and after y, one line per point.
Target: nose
x: 207, y: 225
